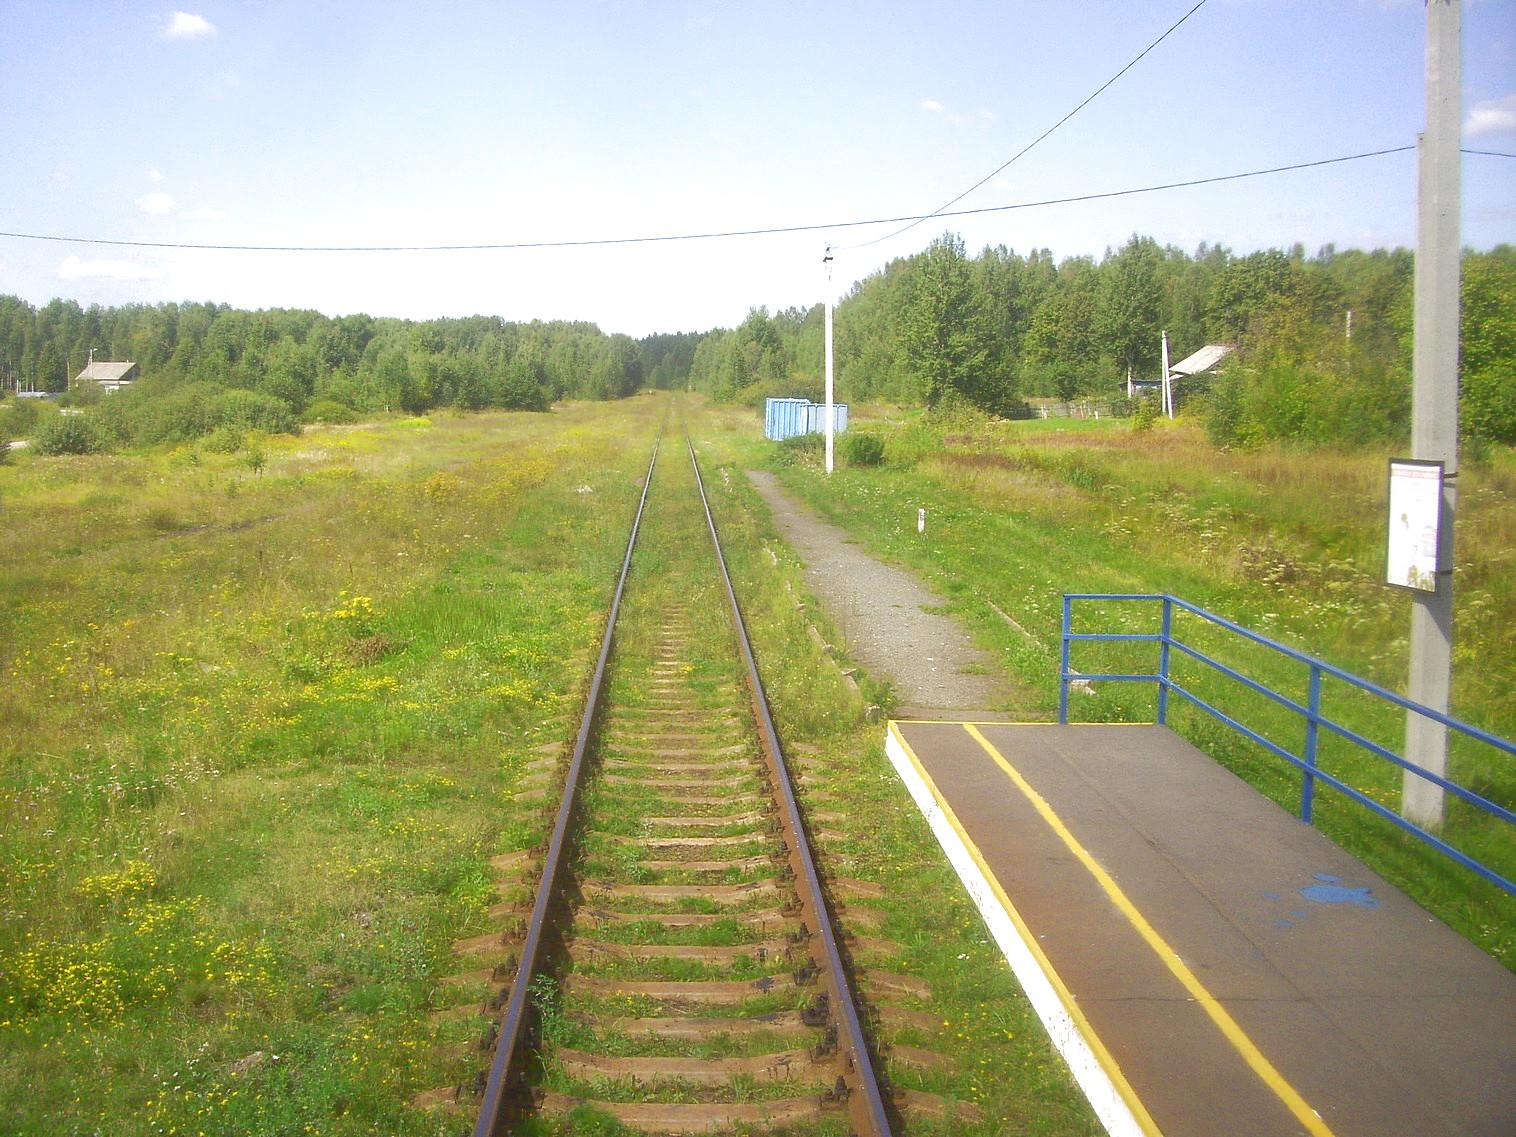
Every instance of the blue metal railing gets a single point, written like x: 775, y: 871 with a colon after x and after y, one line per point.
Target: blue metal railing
x: 1316, y: 722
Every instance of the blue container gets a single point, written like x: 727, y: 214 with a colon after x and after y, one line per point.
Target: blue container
x: 782, y: 418
x: 815, y: 417
x: 785, y: 418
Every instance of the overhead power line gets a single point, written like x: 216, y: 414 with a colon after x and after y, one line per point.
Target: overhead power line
x: 940, y: 210
x: 715, y: 234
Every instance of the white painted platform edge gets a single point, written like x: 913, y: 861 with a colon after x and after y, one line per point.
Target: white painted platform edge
x: 1091, y: 1075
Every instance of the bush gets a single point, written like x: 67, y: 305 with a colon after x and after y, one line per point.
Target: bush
x: 801, y: 449
x: 1227, y: 423
x: 185, y: 413
x: 258, y: 410
x: 70, y: 434
x: 225, y: 440
x: 19, y: 418
x: 1144, y: 415
x: 329, y: 411
x: 862, y: 449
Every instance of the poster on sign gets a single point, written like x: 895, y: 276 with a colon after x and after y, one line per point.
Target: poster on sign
x: 1415, y: 524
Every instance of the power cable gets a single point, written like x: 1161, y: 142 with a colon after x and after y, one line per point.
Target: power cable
x: 668, y: 238
x: 940, y: 210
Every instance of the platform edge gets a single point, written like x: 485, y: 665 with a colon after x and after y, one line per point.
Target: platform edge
x: 1099, y: 1077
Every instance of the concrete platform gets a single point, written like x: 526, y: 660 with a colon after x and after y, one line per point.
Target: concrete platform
x: 1207, y: 963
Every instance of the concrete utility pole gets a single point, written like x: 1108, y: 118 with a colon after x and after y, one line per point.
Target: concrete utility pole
x: 1166, y: 389
x: 831, y: 411
x: 1434, y: 399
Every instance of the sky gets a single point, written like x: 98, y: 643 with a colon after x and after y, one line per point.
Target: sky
x: 584, y: 126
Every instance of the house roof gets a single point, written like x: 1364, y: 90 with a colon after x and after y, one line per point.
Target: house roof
x: 102, y: 372
x: 1203, y: 360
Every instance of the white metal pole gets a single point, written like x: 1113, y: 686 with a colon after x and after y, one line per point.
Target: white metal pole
x: 1168, y: 395
x: 831, y: 411
x: 1434, y: 399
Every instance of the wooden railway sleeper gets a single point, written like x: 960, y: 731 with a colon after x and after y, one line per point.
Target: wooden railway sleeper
x: 840, y: 1044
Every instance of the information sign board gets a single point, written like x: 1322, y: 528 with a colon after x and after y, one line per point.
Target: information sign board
x: 1415, y: 524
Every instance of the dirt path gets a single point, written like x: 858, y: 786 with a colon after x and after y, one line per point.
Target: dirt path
x: 883, y: 614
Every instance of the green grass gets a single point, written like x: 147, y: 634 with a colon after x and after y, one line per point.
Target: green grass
x: 258, y: 741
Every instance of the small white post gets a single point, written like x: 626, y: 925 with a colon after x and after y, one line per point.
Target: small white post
x: 921, y: 521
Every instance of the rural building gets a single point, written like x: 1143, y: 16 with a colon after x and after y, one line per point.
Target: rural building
x: 1202, y: 362
x: 108, y: 377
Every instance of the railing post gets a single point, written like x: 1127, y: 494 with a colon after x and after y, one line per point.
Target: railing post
x: 1163, y: 661
x: 1063, y: 665
x: 1312, y: 719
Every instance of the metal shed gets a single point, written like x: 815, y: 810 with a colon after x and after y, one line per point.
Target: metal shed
x: 786, y: 418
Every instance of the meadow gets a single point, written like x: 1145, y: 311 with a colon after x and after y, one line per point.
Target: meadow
x: 261, y: 718
x: 267, y: 711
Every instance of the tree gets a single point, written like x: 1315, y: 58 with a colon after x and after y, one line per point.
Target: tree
x: 1062, y: 343
x: 70, y: 434
x: 870, y: 361
x: 1130, y: 300
x: 1488, y: 396
x: 947, y: 341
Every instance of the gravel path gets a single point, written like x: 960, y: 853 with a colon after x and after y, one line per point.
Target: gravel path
x: 882, y: 612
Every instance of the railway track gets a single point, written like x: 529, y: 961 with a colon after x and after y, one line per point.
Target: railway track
x: 679, y: 970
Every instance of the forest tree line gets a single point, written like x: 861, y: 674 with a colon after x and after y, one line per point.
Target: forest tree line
x: 1324, y: 341
x: 1324, y: 347
x: 201, y: 366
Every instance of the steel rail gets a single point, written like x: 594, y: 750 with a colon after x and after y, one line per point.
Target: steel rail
x: 494, y: 1110
x: 866, y: 1104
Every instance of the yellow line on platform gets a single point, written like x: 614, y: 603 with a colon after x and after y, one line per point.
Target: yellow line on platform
x: 1075, y: 1014
x: 1244, y: 1045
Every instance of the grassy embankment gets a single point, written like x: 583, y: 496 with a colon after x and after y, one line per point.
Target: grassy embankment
x: 258, y: 728
x: 1287, y: 543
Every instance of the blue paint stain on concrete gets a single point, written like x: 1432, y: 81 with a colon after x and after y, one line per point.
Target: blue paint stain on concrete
x: 1332, y: 891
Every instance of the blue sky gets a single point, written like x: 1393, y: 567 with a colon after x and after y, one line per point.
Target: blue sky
x: 277, y: 123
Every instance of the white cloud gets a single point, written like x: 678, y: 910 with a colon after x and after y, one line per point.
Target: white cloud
x: 184, y: 25
x: 1491, y: 118
x: 983, y: 114
x: 158, y: 204
x: 155, y: 175
x: 73, y: 268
